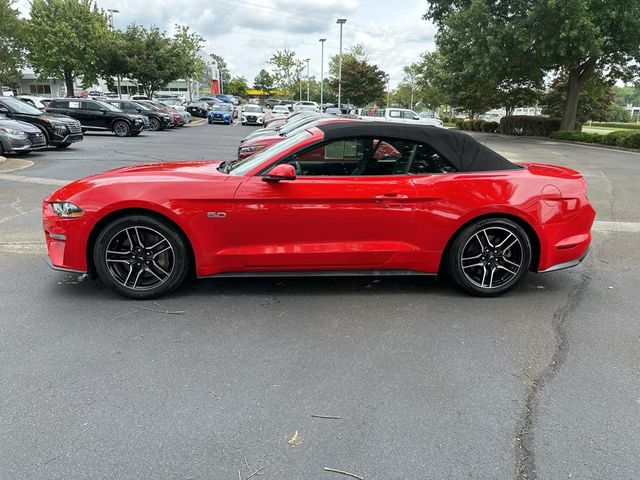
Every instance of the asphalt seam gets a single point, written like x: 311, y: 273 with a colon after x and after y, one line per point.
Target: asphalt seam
x: 525, y: 452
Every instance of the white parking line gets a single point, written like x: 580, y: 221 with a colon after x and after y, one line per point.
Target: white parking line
x: 37, y: 180
x: 604, y: 226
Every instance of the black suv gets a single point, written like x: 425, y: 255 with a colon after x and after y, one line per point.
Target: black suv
x: 59, y: 130
x: 157, y: 120
x: 97, y: 115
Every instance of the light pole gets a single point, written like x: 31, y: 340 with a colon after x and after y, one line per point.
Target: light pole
x: 307, y: 60
x: 111, y: 12
x: 322, y: 40
x: 340, y: 21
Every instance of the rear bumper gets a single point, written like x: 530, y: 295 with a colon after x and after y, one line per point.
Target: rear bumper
x: 569, y: 264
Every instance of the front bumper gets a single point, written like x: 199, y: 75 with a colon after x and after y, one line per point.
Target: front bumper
x: 66, y: 240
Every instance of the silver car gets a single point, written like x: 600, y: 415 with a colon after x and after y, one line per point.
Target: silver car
x: 19, y: 137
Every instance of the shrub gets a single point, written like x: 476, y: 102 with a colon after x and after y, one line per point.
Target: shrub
x: 577, y: 136
x: 459, y: 123
x: 467, y: 125
x: 477, y: 125
x: 630, y: 126
x: 615, y: 138
x: 529, y: 125
x: 445, y: 119
x: 491, y: 127
x: 632, y: 140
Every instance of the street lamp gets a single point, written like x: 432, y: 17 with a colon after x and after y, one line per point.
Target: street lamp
x: 111, y: 12
x: 322, y: 40
x: 340, y: 21
x: 307, y: 60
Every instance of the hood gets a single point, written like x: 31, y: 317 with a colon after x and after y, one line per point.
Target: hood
x: 58, y: 118
x: 218, y: 110
x: 146, y: 173
x: 18, y: 125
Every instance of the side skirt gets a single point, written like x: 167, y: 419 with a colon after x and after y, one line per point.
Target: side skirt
x: 320, y: 273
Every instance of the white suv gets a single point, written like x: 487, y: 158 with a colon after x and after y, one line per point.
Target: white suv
x: 308, y: 105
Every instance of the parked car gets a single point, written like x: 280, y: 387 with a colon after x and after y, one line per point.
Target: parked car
x: 287, y: 124
x: 157, y: 120
x: 221, y: 113
x: 280, y: 111
x: 169, y: 96
x: 7, y: 92
x: 138, y: 97
x: 252, y: 115
x: 332, y: 111
x: 307, y: 106
x: 175, y: 116
x: 398, y: 115
x: 183, y: 115
x: 256, y: 144
x: 324, y: 201
x: 198, y: 109
x: 98, y: 115
x: 33, y: 101
x: 19, y: 137
x: 271, y: 102
x: 227, y: 98
x: 174, y: 103
x: 210, y: 100
x: 59, y: 130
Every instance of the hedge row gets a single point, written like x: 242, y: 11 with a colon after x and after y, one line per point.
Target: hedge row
x: 534, y: 126
x: 630, y: 126
x: 616, y: 139
x: 477, y: 125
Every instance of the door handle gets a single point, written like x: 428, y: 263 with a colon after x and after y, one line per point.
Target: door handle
x: 390, y: 197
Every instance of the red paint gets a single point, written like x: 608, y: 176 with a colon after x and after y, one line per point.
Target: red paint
x: 325, y: 223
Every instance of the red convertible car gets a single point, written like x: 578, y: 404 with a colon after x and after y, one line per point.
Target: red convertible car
x: 344, y: 198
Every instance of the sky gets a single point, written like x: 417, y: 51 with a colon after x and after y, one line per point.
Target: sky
x: 246, y: 32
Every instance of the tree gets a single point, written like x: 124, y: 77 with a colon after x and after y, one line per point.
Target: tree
x: 362, y: 82
x: 596, y: 98
x: 619, y: 114
x: 150, y: 57
x: 223, y: 69
x: 187, y: 46
x: 65, y: 38
x: 410, y: 80
x: 577, y: 38
x: 237, y: 86
x: 11, y: 44
x: 286, y: 70
x: 113, y: 61
x: 263, y: 81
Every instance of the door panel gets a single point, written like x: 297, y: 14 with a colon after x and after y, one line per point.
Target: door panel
x: 323, y: 222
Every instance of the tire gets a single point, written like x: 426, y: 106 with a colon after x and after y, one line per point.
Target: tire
x: 244, y: 124
x: 154, y: 124
x: 152, y: 257
x: 135, y: 134
x: 63, y: 145
x: 121, y: 129
x: 489, y: 257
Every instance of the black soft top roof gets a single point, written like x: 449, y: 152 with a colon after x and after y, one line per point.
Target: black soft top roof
x: 464, y: 152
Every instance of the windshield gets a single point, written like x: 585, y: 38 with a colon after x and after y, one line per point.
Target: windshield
x: 171, y: 101
x: 19, y: 106
x: 248, y: 164
x: 221, y: 106
x: 109, y: 106
x: 249, y: 108
x: 280, y: 108
x: 290, y: 127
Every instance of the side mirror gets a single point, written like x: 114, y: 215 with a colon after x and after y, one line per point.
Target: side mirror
x: 416, y: 117
x: 4, y: 110
x: 139, y: 110
x: 284, y: 171
x: 103, y: 110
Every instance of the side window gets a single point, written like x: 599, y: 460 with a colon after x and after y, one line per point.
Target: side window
x: 426, y: 160
x: 88, y: 106
x: 395, y: 113
x: 61, y: 104
x: 408, y: 114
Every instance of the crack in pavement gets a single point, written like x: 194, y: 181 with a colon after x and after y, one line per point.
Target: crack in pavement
x: 525, y: 455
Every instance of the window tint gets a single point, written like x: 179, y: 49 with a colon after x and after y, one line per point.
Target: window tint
x: 88, y: 106
x: 408, y: 114
x: 369, y: 156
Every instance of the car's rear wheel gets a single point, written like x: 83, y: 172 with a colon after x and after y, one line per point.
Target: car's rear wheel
x: 490, y: 256
x: 141, y: 257
x: 154, y: 124
x: 122, y: 129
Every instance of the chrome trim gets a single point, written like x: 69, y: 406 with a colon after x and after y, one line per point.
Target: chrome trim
x: 320, y: 273
x: 562, y: 266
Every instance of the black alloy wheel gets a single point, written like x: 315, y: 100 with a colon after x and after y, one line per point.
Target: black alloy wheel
x: 490, y: 256
x: 141, y: 257
x: 121, y: 129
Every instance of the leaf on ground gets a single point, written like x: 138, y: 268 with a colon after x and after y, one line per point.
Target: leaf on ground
x: 295, y: 439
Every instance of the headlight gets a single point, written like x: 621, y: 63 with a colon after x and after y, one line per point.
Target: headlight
x: 60, y: 129
x: 15, y: 133
x: 66, y: 210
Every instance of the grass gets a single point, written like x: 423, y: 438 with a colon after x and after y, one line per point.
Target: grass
x: 603, y: 130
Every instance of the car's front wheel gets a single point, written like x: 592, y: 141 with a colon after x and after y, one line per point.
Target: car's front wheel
x: 122, y: 129
x: 154, y: 124
x: 141, y: 257
x: 490, y: 256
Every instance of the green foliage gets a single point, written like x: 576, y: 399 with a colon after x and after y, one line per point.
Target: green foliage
x: 618, y: 113
x: 529, y: 125
x: 237, y: 86
x: 11, y: 44
x: 286, y: 70
x: 630, y: 126
x: 491, y: 127
x: 65, y: 39
x: 625, y: 139
x: 263, y: 81
x: 223, y: 69
x: 362, y: 82
x: 574, y: 136
x: 595, y: 99
x: 516, y: 43
x: 627, y: 95
x: 187, y: 46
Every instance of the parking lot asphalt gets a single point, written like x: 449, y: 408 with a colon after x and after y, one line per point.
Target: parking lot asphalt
x: 214, y: 380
